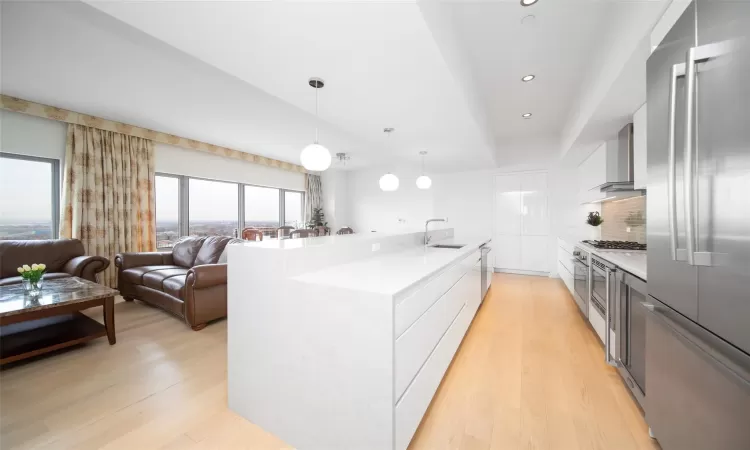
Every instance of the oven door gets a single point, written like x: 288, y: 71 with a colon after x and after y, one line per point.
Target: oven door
x: 632, y: 292
x: 581, y: 285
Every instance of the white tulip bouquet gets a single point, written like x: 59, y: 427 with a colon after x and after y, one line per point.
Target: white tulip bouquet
x: 33, y: 273
x: 32, y: 277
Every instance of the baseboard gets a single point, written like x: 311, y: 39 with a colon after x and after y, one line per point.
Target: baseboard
x: 523, y: 272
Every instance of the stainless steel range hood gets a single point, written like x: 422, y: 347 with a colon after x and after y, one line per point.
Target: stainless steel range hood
x: 620, y: 167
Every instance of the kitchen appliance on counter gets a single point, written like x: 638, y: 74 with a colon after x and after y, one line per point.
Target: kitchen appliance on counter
x: 698, y: 340
x: 603, y: 294
x: 631, y: 316
x: 581, y: 277
x: 616, y: 245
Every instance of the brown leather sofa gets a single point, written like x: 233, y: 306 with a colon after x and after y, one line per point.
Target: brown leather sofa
x: 63, y: 258
x: 189, y: 281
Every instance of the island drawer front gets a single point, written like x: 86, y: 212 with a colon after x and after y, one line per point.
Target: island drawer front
x: 415, y: 345
x: 566, y: 259
x: 411, y: 308
x: 565, y: 245
x: 413, y: 405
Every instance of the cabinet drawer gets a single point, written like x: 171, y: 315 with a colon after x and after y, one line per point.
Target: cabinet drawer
x: 415, y: 345
x: 412, y: 307
x: 566, y: 276
x: 412, y: 406
x: 566, y: 259
x: 565, y: 245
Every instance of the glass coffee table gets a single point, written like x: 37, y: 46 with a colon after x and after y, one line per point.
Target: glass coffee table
x: 34, y: 325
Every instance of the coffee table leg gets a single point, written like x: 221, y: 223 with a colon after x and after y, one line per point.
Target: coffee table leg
x: 109, y: 319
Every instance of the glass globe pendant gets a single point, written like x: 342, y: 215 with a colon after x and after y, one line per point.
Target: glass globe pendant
x: 423, y: 181
x: 315, y: 157
x: 389, y: 182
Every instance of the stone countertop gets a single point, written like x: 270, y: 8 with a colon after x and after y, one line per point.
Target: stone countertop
x: 631, y: 261
x: 393, y: 273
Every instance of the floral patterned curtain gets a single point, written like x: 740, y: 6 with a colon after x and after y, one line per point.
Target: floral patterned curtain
x: 313, y: 195
x: 108, y: 194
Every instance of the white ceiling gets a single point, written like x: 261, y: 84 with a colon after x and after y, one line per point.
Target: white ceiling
x: 446, y: 75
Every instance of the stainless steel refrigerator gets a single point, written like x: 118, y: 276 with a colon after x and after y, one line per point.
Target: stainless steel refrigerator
x: 698, y: 331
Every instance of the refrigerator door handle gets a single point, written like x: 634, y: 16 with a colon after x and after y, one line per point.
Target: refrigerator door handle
x: 678, y: 254
x: 694, y: 56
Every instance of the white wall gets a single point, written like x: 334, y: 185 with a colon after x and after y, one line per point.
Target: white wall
x: 466, y: 198
x: 28, y: 135
x: 371, y: 209
x: 181, y: 161
x: 335, y: 198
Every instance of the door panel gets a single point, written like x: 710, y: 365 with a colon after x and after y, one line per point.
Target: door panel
x: 672, y: 282
x: 535, y: 221
x: 695, y: 398
x: 508, y: 204
x: 722, y: 136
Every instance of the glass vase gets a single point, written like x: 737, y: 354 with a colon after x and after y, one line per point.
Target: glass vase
x: 32, y: 287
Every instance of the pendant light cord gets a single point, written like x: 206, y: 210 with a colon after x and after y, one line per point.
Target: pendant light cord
x: 317, y: 119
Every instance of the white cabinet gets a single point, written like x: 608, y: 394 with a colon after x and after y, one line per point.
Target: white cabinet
x: 640, y: 142
x: 593, y: 173
x: 508, y: 204
x: 521, y: 222
x: 534, y: 220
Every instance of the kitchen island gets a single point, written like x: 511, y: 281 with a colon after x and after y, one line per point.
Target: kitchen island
x: 340, y: 342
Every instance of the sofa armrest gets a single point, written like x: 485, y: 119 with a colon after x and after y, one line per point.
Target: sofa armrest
x: 127, y: 260
x: 86, y: 266
x: 207, y: 275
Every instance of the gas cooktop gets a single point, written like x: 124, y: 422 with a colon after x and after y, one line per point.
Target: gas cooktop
x: 616, y: 245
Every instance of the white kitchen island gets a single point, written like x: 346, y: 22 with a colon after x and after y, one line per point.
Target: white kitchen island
x: 340, y: 342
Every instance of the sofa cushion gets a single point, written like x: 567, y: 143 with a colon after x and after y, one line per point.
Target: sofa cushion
x: 212, y: 249
x: 54, y: 253
x: 154, y: 279
x: 175, y: 286
x: 135, y: 275
x: 47, y: 276
x: 185, y: 251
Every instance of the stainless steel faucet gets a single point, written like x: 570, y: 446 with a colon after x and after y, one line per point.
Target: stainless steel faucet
x: 426, y: 237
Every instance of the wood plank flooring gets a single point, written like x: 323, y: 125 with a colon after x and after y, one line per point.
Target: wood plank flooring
x: 529, y: 375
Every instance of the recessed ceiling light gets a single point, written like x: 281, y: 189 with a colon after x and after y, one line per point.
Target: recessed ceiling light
x: 528, y: 2
x: 526, y: 115
x: 528, y: 78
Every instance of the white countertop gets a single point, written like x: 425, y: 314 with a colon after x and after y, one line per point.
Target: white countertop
x: 392, y: 273
x: 632, y: 261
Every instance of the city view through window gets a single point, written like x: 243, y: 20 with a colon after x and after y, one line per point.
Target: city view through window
x: 213, y: 208
x: 25, y: 199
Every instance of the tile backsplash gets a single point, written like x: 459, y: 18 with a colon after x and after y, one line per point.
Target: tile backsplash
x: 625, y: 220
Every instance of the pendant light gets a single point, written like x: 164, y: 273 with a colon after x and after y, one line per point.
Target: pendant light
x: 315, y: 157
x: 423, y: 181
x: 389, y: 181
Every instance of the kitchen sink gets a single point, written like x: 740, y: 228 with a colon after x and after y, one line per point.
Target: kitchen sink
x: 452, y: 246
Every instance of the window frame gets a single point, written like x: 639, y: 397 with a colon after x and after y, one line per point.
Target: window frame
x: 56, y: 191
x: 184, y: 201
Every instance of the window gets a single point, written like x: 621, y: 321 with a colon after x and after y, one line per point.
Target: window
x: 198, y: 207
x: 293, y: 209
x: 167, y: 210
x: 213, y: 208
x: 262, y: 208
x: 29, y: 197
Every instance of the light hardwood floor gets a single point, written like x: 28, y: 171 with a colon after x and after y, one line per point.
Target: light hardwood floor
x: 529, y: 375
